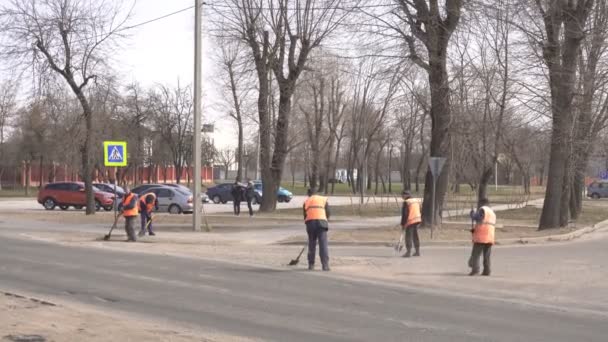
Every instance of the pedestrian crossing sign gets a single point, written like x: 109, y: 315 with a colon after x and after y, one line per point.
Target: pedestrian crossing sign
x: 115, y: 153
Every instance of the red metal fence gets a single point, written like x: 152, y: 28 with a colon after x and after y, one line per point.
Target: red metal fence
x: 33, y: 174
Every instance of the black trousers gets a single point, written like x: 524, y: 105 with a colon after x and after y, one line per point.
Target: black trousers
x: 317, y: 232
x: 478, y: 249
x: 411, y: 237
x: 237, y: 207
x: 249, y: 206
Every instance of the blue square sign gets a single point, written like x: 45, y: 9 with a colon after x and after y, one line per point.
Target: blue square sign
x: 115, y: 153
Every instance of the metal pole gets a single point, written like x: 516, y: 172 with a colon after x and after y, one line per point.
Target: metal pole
x: 198, y: 49
x: 433, y: 207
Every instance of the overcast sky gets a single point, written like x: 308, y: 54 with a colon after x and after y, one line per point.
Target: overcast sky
x: 163, y: 52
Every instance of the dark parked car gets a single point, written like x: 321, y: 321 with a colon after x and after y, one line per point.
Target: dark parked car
x: 221, y: 193
x: 66, y: 194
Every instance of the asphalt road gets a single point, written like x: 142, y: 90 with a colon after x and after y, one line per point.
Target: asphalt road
x: 277, y: 304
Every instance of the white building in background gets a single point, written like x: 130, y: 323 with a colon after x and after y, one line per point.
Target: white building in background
x: 342, y: 175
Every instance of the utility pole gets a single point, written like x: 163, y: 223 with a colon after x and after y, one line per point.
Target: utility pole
x: 198, y: 49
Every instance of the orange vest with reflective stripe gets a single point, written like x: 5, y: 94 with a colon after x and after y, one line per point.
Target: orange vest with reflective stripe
x: 413, y: 211
x: 315, y: 208
x: 148, y: 206
x: 129, y: 212
x: 484, y: 231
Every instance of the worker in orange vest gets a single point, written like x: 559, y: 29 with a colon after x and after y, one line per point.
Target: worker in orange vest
x: 483, y: 237
x: 316, y: 216
x: 147, y: 204
x: 410, y: 221
x: 130, y: 212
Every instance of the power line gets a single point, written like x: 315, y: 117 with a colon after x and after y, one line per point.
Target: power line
x: 157, y: 19
x: 313, y: 8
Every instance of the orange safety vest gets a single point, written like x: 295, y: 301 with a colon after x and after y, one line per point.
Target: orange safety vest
x: 148, y: 206
x: 484, y: 231
x: 129, y: 212
x: 413, y: 210
x: 315, y: 208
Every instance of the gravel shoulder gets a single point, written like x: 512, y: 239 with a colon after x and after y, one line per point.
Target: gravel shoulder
x: 25, y: 318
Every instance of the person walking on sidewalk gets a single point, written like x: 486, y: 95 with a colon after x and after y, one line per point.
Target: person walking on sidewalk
x: 316, y: 216
x: 130, y: 212
x: 410, y: 221
x: 147, y: 204
x: 483, y: 237
x: 249, y: 196
x: 237, y: 194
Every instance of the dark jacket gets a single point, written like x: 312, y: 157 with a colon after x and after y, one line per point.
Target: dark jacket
x: 237, y: 193
x: 249, y: 193
x: 404, y: 214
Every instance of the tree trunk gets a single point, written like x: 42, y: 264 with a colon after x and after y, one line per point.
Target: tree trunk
x: 550, y: 217
x: 40, y: 173
x: 275, y: 172
x: 576, y: 198
x: 482, y: 190
x: 390, y: 165
x: 440, y: 141
x: 86, y: 160
x: 560, y: 52
x: 558, y: 183
x: 27, y: 178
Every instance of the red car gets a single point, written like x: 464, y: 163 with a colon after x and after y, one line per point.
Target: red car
x: 66, y: 194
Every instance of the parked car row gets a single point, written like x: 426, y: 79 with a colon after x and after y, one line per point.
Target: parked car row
x: 172, y: 198
x: 222, y: 193
x: 66, y: 194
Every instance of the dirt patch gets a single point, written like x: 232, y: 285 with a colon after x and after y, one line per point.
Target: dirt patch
x: 447, y: 232
x: 593, y: 212
x: 27, y: 319
x: 391, y: 206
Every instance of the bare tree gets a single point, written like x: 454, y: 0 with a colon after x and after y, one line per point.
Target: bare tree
x: 174, y: 115
x: 137, y: 114
x: 591, y: 104
x: 69, y: 38
x: 560, y: 38
x: 314, y: 115
x: 7, y: 111
x: 427, y: 25
x: 281, y: 35
x: 235, y: 70
x: 226, y: 158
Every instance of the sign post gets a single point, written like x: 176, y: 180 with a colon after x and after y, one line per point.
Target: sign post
x: 115, y: 155
x: 436, y: 165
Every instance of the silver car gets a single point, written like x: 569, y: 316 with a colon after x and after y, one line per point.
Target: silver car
x: 172, y: 200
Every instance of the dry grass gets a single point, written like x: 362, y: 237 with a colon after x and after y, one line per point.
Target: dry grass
x: 512, y: 224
